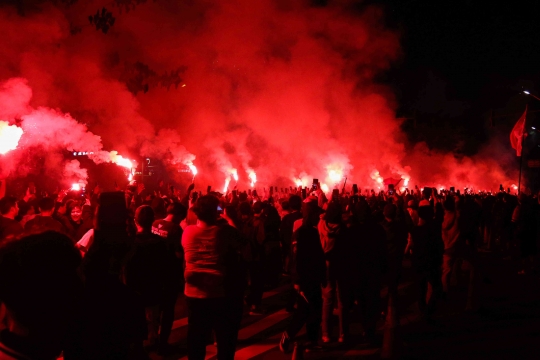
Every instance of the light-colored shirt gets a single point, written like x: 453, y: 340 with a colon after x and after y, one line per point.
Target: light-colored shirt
x: 204, y: 254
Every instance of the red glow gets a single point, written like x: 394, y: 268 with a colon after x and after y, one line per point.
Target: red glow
x: 260, y: 88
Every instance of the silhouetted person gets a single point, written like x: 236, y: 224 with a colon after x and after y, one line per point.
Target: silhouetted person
x: 169, y: 229
x: 369, y: 259
x: 207, y: 248
x: 308, y: 274
x: 39, y: 290
x: 110, y: 323
x: 148, y: 268
x: 427, y: 249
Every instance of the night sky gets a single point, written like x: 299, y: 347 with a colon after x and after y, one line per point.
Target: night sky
x: 462, y: 59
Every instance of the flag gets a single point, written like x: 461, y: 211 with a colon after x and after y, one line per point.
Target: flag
x: 391, y: 181
x: 516, y: 136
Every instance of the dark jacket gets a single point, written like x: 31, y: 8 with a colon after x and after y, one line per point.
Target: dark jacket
x: 396, y: 241
x: 427, y: 247
x: 286, y: 228
x: 148, y: 268
x: 309, y: 266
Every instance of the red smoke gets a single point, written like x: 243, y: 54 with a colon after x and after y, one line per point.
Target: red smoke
x: 277, y: 87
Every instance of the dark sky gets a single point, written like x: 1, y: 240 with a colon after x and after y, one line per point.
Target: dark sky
x: 463, y: 58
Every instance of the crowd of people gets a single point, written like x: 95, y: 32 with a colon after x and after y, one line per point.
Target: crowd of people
x: 97, y: 275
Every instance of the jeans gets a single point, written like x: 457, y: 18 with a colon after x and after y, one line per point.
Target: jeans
x: 256, y: 283
x: 368, y: 294
x: 433, y: 278
x: 341, y: 290
x: 167, y: 316
x: 152, y: 321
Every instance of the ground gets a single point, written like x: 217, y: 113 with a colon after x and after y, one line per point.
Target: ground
x: 504, y: 325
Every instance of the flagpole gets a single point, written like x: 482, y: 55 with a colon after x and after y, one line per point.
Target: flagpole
x: 521, y: 157
x: 520, y: 166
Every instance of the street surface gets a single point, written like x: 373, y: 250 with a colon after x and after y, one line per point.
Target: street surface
x: 505, y: 325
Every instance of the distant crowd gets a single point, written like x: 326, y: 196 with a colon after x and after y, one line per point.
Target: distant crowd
x: 97, y: 275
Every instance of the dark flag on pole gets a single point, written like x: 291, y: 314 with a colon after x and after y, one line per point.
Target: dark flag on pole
x: 516, y: 136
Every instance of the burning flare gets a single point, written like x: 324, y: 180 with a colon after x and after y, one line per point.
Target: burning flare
x: 9, y: 137
x: 335, y: 176
x: 325, y: 188
x: 253, y: 177
x: 405, y: 180
x: 119, y: 160
x: 193, y: 169
x: 234, y: 174
x: 226, y: 187
x: 76, y: 187
x: 376, y: 176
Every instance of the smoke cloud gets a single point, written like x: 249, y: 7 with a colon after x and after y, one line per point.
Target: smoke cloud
x: 286, y: 89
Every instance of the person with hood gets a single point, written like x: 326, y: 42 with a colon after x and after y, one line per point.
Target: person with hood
x: 308, y: 275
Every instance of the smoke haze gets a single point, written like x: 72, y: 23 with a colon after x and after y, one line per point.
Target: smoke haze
x: 282, y: 88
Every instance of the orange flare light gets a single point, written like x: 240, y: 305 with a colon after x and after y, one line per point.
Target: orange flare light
x: 9, y: 137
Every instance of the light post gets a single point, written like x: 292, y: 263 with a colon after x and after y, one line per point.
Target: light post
x: 526, y: 92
